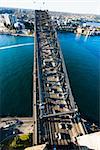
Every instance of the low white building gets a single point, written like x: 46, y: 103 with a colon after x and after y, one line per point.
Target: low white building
x: 92, y: 141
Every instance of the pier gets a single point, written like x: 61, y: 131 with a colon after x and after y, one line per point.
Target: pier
x: 55, y: 114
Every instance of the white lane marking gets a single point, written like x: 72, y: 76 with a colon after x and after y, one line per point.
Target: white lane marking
x: 17, y: 45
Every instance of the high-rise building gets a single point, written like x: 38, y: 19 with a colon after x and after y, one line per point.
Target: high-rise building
x: 10, y: 19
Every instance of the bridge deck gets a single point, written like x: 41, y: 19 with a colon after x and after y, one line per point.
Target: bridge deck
x: 54, y: 107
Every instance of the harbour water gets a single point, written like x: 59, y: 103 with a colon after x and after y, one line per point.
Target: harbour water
x: 82, y: 60
x: 16, y: 61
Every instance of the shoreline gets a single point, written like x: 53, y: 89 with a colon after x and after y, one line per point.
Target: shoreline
x: 16, y: 34
x: 82, y: 34
x: 24, y: 35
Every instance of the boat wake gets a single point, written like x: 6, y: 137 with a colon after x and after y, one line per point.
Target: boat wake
x: 17, y: 45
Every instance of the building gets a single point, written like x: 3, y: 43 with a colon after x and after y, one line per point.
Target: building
x: 10, y: 19
x: 92, y: 141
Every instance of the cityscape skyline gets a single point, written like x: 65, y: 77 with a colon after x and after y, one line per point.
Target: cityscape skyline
x: 72, y: 6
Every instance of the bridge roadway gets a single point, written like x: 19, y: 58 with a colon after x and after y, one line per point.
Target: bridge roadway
x: 55, y: 113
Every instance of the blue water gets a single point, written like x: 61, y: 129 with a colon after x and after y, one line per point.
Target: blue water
x: 16, y: 76
x: 82, y: 61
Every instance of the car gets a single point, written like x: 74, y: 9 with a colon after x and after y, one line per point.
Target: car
x: 6, y: 126
x: 65, y: 136
x: 41, y: 106
x: 58, y: 136
x: 62, y: 105
x: 62, y: 126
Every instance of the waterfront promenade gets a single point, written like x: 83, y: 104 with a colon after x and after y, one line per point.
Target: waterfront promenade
x: 55, y: 113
